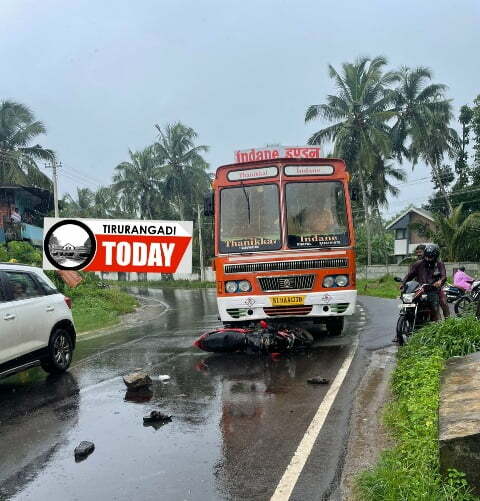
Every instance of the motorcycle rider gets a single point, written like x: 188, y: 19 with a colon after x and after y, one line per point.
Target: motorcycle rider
x: 462, y: 280
x: 419, y: 250
x: 424, y: 272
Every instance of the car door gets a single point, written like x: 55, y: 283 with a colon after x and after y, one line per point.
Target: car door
x: 32, y: 316
x: 9, y: 332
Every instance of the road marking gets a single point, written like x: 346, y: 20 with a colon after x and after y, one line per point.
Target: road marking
x: 294, y: 469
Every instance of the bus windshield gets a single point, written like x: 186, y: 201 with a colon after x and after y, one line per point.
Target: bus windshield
x: 316, y: 215
x: 249, y: 218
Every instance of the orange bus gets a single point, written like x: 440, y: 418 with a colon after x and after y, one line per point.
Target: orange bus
x: 284, y: 240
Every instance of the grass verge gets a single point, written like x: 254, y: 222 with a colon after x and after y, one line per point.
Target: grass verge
x: 165, y: 284
x: 380, y: 287
x: 95, y: 308
x: 411, y: 469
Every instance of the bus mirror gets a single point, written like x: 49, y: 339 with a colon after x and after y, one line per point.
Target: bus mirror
x: 353, y: 195
x: 208, y: 205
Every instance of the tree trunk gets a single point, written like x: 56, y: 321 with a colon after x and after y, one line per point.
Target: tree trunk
x: 436, y: 173
x: 367, y: 222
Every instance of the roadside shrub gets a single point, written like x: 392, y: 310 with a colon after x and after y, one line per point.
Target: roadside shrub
x: 23, y: 252
x: 411, y: 469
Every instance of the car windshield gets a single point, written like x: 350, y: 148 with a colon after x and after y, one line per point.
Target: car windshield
x: 316, y: 214
x: 249, y: 218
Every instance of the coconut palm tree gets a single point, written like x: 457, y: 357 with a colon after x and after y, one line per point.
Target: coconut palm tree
x: 82, y: 206
x: 457, y: 234
x: 422, y: 117
x: 18, y: 157
x: 184, y: 171
x: 138, y: 181
x: 360, y: 111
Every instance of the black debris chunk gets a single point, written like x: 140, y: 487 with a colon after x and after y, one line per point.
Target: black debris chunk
x: 157, y: 417
x: 83, y: 450
x: 318, y: 380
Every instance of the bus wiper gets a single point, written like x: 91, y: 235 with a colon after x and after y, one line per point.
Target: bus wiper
x: 248, y: 200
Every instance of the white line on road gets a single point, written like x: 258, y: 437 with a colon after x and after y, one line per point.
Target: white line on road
x: 294, y: 469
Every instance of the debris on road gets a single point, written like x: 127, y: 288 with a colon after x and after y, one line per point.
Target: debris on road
x: 164, y: 377
x: 138, y: 395
x: 83, y: 450
x: 156, y: 417
x: 318, y: 380
x: 137, y: 380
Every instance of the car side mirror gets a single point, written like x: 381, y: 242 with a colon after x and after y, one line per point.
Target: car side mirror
x: 437, y: 275
x: 397, y: 279
x: 208, y: 205
x: 353, y: 195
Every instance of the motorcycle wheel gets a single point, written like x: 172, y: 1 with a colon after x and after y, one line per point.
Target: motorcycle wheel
x: 464, y: 306
x: 404, y: 329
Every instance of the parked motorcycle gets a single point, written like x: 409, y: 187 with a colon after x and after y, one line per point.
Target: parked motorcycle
x: 415, y: 310
x: 467, y: 304
x: 453, y: 293
x: 261, y: 340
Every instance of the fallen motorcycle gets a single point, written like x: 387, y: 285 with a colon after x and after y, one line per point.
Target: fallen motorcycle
x: 261, y: 340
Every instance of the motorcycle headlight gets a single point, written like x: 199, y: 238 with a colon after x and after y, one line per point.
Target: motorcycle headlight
x: 407, y: 298
x: 231, y: 287
x: 328, y: 282
x: 244, y: 286
x: 341, y: 280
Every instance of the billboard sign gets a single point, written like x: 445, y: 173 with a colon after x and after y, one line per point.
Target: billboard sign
x: 117, y: 245
x: 276, y: 152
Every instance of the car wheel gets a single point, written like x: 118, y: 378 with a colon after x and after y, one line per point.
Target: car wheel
x: 60, y: 352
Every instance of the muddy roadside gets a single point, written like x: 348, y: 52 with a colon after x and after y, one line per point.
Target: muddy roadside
x: 368, y: 436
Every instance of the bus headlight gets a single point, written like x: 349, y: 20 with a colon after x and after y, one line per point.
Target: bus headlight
x: 341, y: 280
x: 328, y: 282
x: 244, y: 286
x: 231, y: 287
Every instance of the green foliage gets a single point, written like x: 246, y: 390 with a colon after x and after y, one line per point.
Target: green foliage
x: 411, y: 469
x: 95, y: 308
x: 22, y: 252
x: 379, y: 287
x: 167, y: 284
x: 382, y: 243
x: 476, y: 140
x: 18, y: 130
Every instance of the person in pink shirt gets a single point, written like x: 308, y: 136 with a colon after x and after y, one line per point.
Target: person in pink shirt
x: 462, y: 280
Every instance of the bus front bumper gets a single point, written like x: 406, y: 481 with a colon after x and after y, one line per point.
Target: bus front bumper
x: 314, y: 305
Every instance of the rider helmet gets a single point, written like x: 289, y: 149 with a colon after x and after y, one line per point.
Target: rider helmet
x: 431, y: 254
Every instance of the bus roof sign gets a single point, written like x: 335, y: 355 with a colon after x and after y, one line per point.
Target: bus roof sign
x: 275, y: 152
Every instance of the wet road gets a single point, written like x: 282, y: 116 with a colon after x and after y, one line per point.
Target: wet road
x: 237, y: 420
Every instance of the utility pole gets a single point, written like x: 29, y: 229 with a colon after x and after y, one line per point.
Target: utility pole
x: 55, y: 184
x: 200, y: 244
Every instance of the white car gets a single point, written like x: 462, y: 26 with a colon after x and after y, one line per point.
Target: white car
x: 36, y: 324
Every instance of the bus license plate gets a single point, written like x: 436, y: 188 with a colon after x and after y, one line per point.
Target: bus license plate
x: 286, y: 300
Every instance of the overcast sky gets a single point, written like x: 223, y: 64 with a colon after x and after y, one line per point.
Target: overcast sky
x: 100, y: 74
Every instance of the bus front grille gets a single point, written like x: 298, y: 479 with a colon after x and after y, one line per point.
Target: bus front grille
x: 286, y: 311
x: 291, y: 282
x: 307, y: 264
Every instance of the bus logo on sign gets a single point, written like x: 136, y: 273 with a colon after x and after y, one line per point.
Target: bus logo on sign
x: 273, y: 153
x: 118, y: 245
